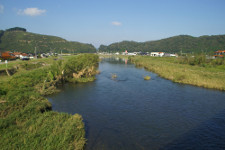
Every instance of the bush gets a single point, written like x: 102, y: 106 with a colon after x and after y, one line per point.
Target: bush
x: 2, y: 92
x: 80, y: 63
x: 200, y: 60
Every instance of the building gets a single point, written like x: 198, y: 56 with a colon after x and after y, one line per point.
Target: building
x: 7, y: 55
x: 132, y: 54
x: 219, y: 53
x: 125, y: 53
x: 17, y: 54
x: 170, y: 55
x: 157, y: 54
x: 24, y: 56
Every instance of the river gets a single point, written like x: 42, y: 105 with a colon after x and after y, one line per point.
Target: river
x: 131, y: 113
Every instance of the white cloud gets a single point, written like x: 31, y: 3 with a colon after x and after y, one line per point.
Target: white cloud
x: 31, y: 12
x: 1, y: 9
x: 116, y: 23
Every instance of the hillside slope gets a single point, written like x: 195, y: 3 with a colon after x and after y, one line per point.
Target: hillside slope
x: 184, y: 43
x: 20, y: 40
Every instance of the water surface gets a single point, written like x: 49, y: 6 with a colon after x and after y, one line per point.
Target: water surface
x: 131, y: 113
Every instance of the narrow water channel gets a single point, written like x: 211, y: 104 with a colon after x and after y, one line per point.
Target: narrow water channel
x: 130, y: 113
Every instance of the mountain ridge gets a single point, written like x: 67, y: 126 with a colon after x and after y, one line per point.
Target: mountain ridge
x: 175, y: 44
x: 18, y: 39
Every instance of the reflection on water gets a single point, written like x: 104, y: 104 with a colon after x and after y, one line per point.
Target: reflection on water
x: 132, y: 113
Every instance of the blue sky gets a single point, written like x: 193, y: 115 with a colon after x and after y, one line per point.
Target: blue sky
x: 107, y: 21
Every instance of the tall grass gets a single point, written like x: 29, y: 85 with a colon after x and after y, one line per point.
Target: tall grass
x: 26, y: 119
x: 201, y: 60
x: 208, y: 77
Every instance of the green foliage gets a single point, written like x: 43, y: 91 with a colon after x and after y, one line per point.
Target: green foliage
x: 51, y: 75
x: 82, y: 63
x: 218, y: 61
x: 30, y: 65
x: 13, y: 40
x: 17, y: 29
x: 2, y: 92
x: 176, y: 44
x: 200, y: 74
x: 26, y: 119
x: 1, y: 34
x: 131, y: 46
x: 56, y: 69
x: 201, y: 60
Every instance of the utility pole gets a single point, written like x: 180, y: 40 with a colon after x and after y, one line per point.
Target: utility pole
x: 35, y: 51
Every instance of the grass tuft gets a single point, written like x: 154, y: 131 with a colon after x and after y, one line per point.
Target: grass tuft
x: 147, y: 77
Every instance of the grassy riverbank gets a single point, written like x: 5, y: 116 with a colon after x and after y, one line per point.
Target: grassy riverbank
x: 26, y: 119
x: 208, y: 76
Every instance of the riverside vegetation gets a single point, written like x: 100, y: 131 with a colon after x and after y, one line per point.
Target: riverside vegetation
x: 198, y: 71
x: 26, y: 119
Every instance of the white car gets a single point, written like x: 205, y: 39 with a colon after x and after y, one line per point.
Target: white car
x: 24, y: 58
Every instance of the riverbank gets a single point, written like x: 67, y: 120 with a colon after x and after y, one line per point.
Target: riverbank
x: 208, y: 77
x: 26, y: 119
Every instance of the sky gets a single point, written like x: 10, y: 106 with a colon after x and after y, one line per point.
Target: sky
x: 107, y: 21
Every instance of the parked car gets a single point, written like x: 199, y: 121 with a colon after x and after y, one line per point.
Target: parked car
x: 24, y: 58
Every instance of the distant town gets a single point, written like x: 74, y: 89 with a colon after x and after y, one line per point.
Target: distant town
x: 7, y: 55
x: 219, y: 53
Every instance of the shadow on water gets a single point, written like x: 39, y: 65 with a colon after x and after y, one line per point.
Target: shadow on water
x: 209, y: 135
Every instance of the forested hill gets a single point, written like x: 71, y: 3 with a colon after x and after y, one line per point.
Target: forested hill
x: 18, y: 39
x: 176, y: 44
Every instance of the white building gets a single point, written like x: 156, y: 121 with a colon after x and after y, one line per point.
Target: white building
x: 132, y: 54
x: 173, y: 55
x: 170, y: 55
x: 157, y: 54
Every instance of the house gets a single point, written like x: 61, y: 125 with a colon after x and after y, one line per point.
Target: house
x: 219, y: 53
x: 43, y: 55
x: 170, y: 55
x: 157, y: 54
x: 7, y: 55
x: 17, y: 54
x: 24, y: 56
x: 131, y: 54
x: 125, y: 53
x: 173, y: 55
x: 30, y: 56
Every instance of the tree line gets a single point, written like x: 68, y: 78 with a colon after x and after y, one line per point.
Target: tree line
x: 26, y: 42
x: 17, y: 29
x: 176, y: 44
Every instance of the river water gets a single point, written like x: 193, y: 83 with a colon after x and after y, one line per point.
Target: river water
x: 131, y: 113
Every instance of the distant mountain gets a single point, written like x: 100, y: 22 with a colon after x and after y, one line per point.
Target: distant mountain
x: 176, y: 44
x: 18, y: 39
